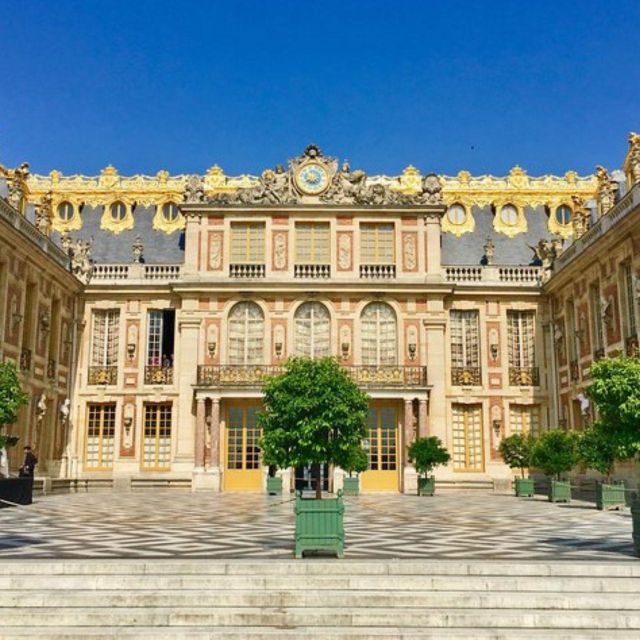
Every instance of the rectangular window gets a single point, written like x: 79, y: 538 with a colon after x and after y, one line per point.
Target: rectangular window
x: 596, y: 313
x: 521, y: 339
x: 465, y: 347
x: 105, y: 338
x: 467, y: 438
x: 571, y: 330
x: 247, y: 242
x: 377, y: 243
x: 629, y: 299
x: 524, y: 419
x: 156, y: 444
x: 101, y: 431
x: 312, y: 243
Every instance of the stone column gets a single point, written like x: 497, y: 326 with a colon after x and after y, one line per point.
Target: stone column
x: 433, y: 233
x: 200, y: 429
x: 185, y: 372
x: 410, y: 478
x: 436, y: 374
x: 215, y: 433
x: 423, y: 419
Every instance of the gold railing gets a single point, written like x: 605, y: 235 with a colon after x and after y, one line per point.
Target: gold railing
x: 103, y: 375
x: 370, y: 376
x: 158, y: 375
x: 524, y: 376
x: 466, y: 376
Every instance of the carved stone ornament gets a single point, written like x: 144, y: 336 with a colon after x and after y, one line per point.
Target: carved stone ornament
x: 581, y: 217
x: 280, y: 251
x: 632, y: 161
x: 607, y: 188
x: 546, y: 251
x: 344, y: 251
x: 79, y: 253
x: 215, y: 251
x: 137, y: 248
x: 17, y: 185
x: 194, y: 190
x: 409, y: 248
x: 44, y: 213
x: 489, y: 251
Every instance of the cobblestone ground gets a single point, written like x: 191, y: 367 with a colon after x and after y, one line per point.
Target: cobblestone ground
x: 172, y: 524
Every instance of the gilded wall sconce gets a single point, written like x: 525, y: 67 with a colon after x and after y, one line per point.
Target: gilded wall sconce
x: 412, y: 350
x: 278, y: 349
x: 497, y: 427
x: 211, y: 349
x: 131, y: 350
x: 345, y: 347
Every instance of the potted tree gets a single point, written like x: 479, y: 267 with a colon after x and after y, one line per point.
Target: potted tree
x: 313, y: 414
x: 516, y: 453
x: 615, y: 388
x: 357, y: 462
x: 274, y: 482
x: 598, y: 451
x: 15, y: 490
x: 554, y: 452
x: 427, y: 454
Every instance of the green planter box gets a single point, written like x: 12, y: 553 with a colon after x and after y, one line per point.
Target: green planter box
x: 525, y: 487
x: 560, y: 491
x: 635, y: 518
x: 351, y: 486
x: 274, y: 486
x: 610, y: 496
x: 319, y: 525
x: 426, y: 486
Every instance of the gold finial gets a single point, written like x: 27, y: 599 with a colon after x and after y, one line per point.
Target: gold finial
x: 162, y: 175
x: 55, y: 176
x: 215, y: 171
x: 109, y: 170
x: 464, y: 176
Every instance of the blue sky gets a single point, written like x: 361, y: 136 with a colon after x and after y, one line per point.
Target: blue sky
x: 550, y: 85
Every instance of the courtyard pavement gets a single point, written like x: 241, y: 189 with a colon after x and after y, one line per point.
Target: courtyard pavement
x: 471, y: 525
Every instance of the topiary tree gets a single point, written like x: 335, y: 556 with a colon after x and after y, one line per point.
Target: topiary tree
x: 615, y: 389
x: 313, y: 414
x: 12, y: 397
x: 357, y: 461
x: 427, y: 454
x: 598, y: 450
x: 516, y: 451
x: 555, y: 452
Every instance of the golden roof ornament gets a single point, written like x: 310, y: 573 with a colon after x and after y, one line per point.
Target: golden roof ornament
x: 632, y: 160
x: 606, y: 192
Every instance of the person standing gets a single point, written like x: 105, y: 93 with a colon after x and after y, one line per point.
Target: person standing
x: 27, y: 470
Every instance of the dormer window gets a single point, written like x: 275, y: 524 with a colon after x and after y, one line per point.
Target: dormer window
x: 65, y: 211
x: 563, y: 215
x: 118, y: 211
x: 509, y: 215
x: 170, y: 212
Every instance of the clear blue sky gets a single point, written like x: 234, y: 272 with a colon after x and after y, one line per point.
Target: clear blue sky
x: 551, y: 85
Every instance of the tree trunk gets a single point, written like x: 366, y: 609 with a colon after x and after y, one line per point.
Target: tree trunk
x: 315, y: 473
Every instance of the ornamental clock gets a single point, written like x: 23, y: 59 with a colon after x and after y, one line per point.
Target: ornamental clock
x: 312, y: 178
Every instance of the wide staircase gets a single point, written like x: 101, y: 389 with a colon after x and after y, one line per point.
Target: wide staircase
x: 318, y: 599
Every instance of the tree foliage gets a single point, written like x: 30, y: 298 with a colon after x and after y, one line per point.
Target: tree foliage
x: 555, y: 452
x: 516, y: 451
x: 615, y: 388
x: 11, y: 397
x: 598, y: 449
x: 427, y: 454
x: 313, y: 413
x: 357, y: 461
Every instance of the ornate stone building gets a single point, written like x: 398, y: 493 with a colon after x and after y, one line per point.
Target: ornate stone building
x: 445, y: 298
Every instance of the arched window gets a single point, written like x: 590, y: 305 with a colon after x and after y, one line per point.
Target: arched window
x: 246, y: 334
x: 65, y: 211
x: 312, y: 324
x: 509, y: 215
x: 170, y: 211
x: 563, y: 214
x: 456, y: 214
x: 118, y: 211
x: 379, y: 335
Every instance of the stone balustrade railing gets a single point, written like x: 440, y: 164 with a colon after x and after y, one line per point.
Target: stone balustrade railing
x: 378, y: 271
x: 135, y: 272
x: 494, y: 275
x: 312, y: 271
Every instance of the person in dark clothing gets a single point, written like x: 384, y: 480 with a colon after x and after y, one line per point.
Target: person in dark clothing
x: 28, y: 467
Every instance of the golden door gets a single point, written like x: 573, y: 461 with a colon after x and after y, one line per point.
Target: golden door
x: 383, y: 474
x: 242, y: 470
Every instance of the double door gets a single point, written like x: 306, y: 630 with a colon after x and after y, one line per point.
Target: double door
x: 243, y: 469
x: 383, y: 450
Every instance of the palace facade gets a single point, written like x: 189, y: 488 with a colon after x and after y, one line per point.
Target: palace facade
x: 151, y: 309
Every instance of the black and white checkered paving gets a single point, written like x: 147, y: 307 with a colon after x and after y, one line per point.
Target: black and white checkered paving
x: 451, y: 525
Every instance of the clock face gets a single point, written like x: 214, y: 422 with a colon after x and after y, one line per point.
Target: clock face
x: 312, y: 179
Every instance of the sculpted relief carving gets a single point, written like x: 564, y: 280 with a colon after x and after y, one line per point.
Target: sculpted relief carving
x: 215, y: 251
x: 344, y: 251
x: 280, y: 251
x: 409, y: 250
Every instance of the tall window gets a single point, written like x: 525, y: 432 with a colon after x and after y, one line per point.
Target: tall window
x: 571, y: 330
x: 247, y: 242
x: 101, y: 431
x: 160, y: 338
x: 521, y: 339
x: 596, y: 313
x: 105, y: 338
x: 312, y: 324
x: 465, y: 346
x: 524, y: 419
x: 467, y: 438
x: 156, y: 445
x: 312, y: 243
x: 246, y: 334
x: 629, y: 299
x: 379, y: 335
x: 376, y: 243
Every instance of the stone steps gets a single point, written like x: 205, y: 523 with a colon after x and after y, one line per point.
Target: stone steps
x: 318, y: 599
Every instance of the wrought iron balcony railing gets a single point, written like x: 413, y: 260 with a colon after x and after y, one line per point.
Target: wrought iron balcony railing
x: 158, y: 375
x: 371, y: 376
x: 25, y: 360
x: 524, y: 376
x: 466, y: 376
x: 103, y: 375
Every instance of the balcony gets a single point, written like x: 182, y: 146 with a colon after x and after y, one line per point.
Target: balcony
x: 315, y: 271
x: 524, y: 376
x: 368, y: 376
x: 25, y: 360
x: 466, y: 376
x: 378, y: 271
x: 513, y: 276
x: 246, y: 270
x: 158, y: 375
x: 103, y: 375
